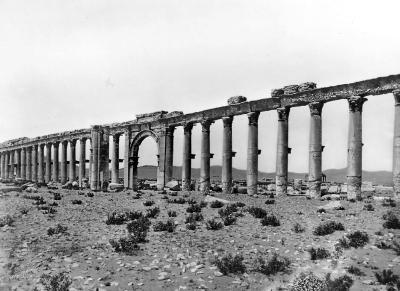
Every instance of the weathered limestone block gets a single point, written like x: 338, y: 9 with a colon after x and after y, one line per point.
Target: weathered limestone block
x: 173, y: 114
x: 307, y: 86
x: 236, y: 100
x: 276, y: 93
x: 290, y: 89
x: 148, y: 117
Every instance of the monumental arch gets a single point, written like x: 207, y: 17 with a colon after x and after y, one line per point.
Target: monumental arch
x: 43, y: 159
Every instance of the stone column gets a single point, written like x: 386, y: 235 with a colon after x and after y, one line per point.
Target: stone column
x: 282, y: 151
x: 396, y: 146
x: 354, y: 152
x: 127, y: 133
x: 23, y: 164
x: 115, y: 159
x: 28, y: 163
x: 315, y: 150
x: 47, y: 176
x: 100, y: 158
x: 18, y: 163
x: 2, y: 159
x: 252, y: 153
x: 90, y: 160
x: 55, y: 161
x: 63, y: 164
x: 205, y: 157
x: 6, y: 161
x: 41, y: 164
x: 134, y: 172
x: 226, y: 175
x: 187, y: 157
x: 169, y: 154
x: 11, y: 172
x: 72, y: 160
x: 35, y: 163
x: 82, y: 160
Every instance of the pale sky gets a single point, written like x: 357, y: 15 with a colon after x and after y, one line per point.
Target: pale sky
x: 67, y: 65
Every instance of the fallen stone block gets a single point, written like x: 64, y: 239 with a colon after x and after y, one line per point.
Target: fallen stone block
x: 173, y: 185
x: 210, y: 199
x: 236, y: 100
x: 6, y: 189
x: 115, y: 187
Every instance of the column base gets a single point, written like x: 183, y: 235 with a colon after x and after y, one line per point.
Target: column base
x: 252, y: 190
x: 186, y: 185
x: 396, y: 187
x: 204, y: 186
x: 353, y: 188
x: 226, y: 187
x: 314, y: 189
x: 281, y: 185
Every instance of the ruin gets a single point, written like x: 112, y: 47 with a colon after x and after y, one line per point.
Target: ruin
x: 30, y: 158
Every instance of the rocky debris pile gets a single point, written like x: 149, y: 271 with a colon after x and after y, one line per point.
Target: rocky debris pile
x: 173, y: 185
x: 70, y: 185
x: 236, y: 100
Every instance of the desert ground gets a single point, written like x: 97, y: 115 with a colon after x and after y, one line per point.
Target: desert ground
x: 33, y: 256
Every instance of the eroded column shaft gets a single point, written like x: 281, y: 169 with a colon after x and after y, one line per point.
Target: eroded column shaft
x: 23, y: 163
x: 126, y: 158
x: 35, y: 163
x: 115, y: 160
x: 169, y: 154
x: 48, y: 163
x: 354, y: 152
x: 18, y: 163
x: 396, y: 146
x: 12, y: 168
x: 187, y: 157
x: 72, y: 160
x: 82, y: 161
x: 315, y: 151
x: 282, y: 151
x: 56, y: 164
x: 41, y: 164
x: 226, y: 175
x: 205, y: 157
x: 252, y: 153
x: 29, y: 163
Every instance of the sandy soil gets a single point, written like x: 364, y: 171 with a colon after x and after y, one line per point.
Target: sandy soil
x: 184, y: 257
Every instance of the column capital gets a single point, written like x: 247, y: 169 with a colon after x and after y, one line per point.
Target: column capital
x: 356, y: 103
x: 56, y: 143
x: 42, y: 145
x: 227, y: 121
x: 115, y: 137
x: 72, y: 141
x: 205, y: 125
x: 283, y: 113
x: 35, y: 146
x: 396, y: 94
x: 253, y: 117
x: 316, y: 108
x: 83, y: 139
x: 187, y: 127
x: 64, y: 142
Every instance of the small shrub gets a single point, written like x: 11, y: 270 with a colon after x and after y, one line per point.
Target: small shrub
x: 76, y: 202
x: 342, y: 283
x: 90, y: 194
x: 339, y: 208
x: 386, y: 277
x: 321, y: 210
x: 355, y: 271
x: 388, y: 202
x: 239, y: 204
x: 257, y: 212
x: 57, y: 282
x: 328, y: 227
x: 152, y: 212
x: 308, y: 282
x: 229, y: 220
x: 212, y: 224
x: 173, y: 193
x: 298, y: 228
x: 57, y: 196
x: 194, y: 217
x: 138, y: 229
x: 148, y: 203
x: 24, y: 210
x: 132, y: 215
x: 391, y: 221
x: 229, y: 210
x: 368, y: 207
x: 48, y: 210
x: 127, y: 245
x: 193, y: 208
x: 115, y: 218
x: 53, y: 204
x: 6, y: 220
x: 270, y: 201
x: 164, y: 226
x: 318, y: 253
x: 56, y: 230
x: 274, y: 264
x: 355, y: 239
x: 229, y: 264
x: 191, y: 201
x: 382, y: 245
x: 203, y: 204
x: 270, y: 220
x: 396, y: 247
x: 179, y: 200
x: 172, y: 213
x: 39, y: 201
x: 191, y: 226
x: 216, y: 204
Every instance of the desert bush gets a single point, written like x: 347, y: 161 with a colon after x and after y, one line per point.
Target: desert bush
x: 308, y: 282
x: 172, y: 213
x: 239, y: 204
x: 230, y: 264
x: 257, y: 212
x: 56, y: 230
x: 355, y: 239
x: 342, y: 283
x: 76, y: 202
x: 274, y: 264
x: 388, y: 202
x: 203, y: 204
x: 391, y: 221
x: 368, y: 207
x: 138, y: 229
x: 57, y: 196
x: 173, y: 193
x: 193, y: 217
x: 298, y: 228
x: 216, y: 204
x: 24, y: 210
x: 212, y: 224
x: 229, y: 210
x: 132, y: 215
x: 39, y: 201
x: 164, y: 226
x: 115, y: 218
x: 328, y: 227
x: 191, y: 201
x: 270, y: 201
x: 57, y: 282
x: 191, y: 226
x: 90, y: 194
x: 53, y: 204
x: 321, y: 210
x: 229, y: 220
x: 382, y: 245
x: 396, y: 247
x: 152, y: 212
x: 386, y: 277
x: 270, y: 220
x: 355, y: 271
x: 193, y: 208
x: 127, y: 245
x: 6, y: 220
x: 179, y: 200
x: 339, y: 208
x: 148, y: 203
x: 48, y: 210
x: 318, y: 253
x: 32, y: 197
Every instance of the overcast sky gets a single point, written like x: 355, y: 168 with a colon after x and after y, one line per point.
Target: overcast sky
x: 67, y: 65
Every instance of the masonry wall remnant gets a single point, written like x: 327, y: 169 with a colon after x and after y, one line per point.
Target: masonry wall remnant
x: 38, y: 160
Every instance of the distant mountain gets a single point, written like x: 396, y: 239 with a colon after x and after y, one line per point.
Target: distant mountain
x: 334, y: 175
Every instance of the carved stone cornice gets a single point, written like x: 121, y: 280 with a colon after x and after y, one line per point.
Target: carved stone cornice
x: 316, y: 108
